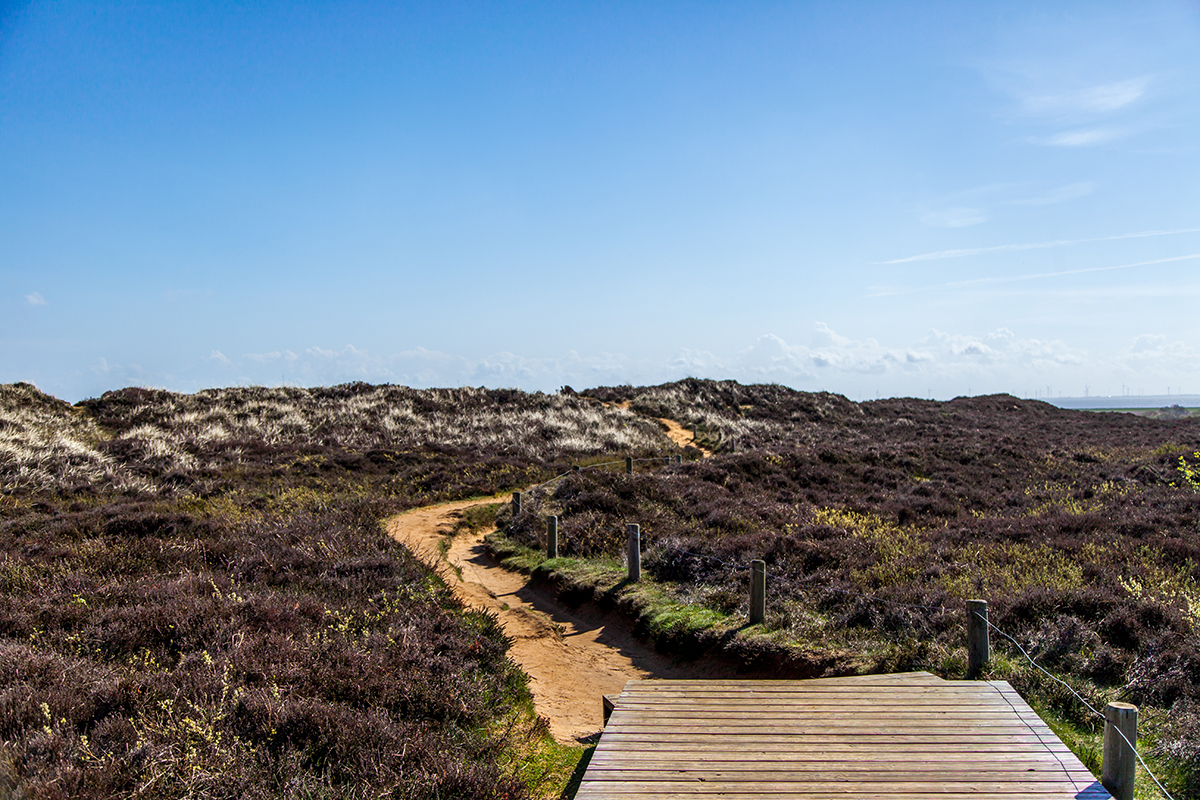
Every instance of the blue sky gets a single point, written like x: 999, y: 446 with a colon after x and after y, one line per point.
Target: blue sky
x: 877, y: 199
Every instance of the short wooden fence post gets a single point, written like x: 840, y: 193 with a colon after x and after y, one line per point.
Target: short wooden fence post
x: 634, y: 551
x: 758, y: 591
x: 629, y: 465
x: 552, y: 536
x: 516, y: 506
x: 1119, y: 755
x: 978, y: 650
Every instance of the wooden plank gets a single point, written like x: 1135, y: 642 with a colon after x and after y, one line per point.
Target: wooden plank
x: 1093, y: 791
x: 917, y: 760
x: 876, y: 676
x: 835, y: 771
x: 865, y: 737
x: 975, y: 788
x: 823, y: 714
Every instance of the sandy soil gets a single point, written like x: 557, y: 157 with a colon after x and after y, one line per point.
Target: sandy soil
x: 682, y: 436
x: 572, y: 658
x: 675, y: 432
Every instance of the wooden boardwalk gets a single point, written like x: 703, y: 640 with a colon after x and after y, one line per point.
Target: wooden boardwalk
x: 873, y: 737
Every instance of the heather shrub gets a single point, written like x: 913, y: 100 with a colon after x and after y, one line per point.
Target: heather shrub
x: 877, y: 520
x: 262, y: 658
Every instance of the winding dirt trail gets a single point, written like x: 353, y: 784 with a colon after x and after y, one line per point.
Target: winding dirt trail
x: 682, y: 436
x: 571, y: 657
x: 675, y: 431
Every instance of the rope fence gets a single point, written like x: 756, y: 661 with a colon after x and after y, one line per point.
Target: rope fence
x: 1120, y: 719
x: 1120, y: 788
x: 1117, y: 777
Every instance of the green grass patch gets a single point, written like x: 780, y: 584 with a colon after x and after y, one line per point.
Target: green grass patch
x: 544, y: 765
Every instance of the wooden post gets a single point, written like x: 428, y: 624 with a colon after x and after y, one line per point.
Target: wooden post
x: 551, y: 536
x: 758, y: 591
x: 516, y: 505
x: 629, y: 465
x: 978, y: 650
x: 1119, y: 759
x: 634, y: 551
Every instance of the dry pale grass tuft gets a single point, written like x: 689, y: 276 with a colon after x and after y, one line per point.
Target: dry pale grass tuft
x: 45, y: 444
x: 174, y: 429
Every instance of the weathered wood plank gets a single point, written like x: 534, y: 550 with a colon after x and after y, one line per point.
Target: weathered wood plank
x: 976, y: 788
x: 838, y: 776
x: 824, y: 714
x: 917, y: 761
x: 906, y: 677
x: 883, y: 736
x: 1093, y: 791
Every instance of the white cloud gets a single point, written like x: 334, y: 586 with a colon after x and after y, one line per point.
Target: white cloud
x: 1155, y: 354
x: 953, y: 217
x: 939, y: 363
x: 771, y: 358
x: 1077, y: 138
x: 131, y: 375
x: 1101, y: 99
x: 1059, y: 195
x: 263, y: 358
x: 35, y: 299
x: 1002, y: 248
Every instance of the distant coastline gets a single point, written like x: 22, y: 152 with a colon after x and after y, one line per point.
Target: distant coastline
x: 1127, y: 401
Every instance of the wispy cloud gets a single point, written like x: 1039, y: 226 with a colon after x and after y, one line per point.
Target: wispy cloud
x: 1038, y: 275
x: 1003, y: 248
x: 1156, y: 353
x: 941, y: 362
x: 1059, y: 195
x: 1100, y: 99
x: 1077, y: 138
x: 954, y: 217
x: 35, y: 299
x: 879, y: 291
x: 263, y: 358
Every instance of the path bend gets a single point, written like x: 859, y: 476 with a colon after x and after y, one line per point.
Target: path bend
x: 572, y: 657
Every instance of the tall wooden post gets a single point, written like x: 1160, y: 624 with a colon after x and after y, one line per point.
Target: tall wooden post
x: 634, y: 550
x: 758, y: 591
x: 978, y: 649
x: 551, y: 536
x: 629, y: 465
x: 1119, y: 759
x: 516, y: 505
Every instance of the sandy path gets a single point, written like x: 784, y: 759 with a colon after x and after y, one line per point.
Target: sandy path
x: 572, y: 659
x: 678, y: 434
x: 682, y: 436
